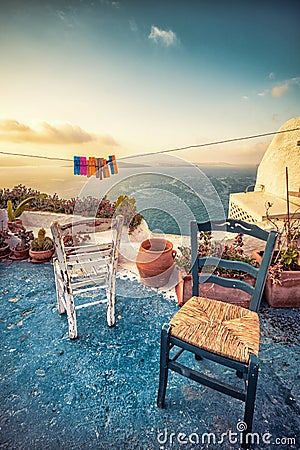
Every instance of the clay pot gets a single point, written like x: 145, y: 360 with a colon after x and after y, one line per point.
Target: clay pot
x: 15, y: 226
x: 42, y: 256
x: 19, y: 254
x: 285, y: 294
x: 155, y: 261
x: 214, y: 291
x: 183, y: 289
x: 4, y: 251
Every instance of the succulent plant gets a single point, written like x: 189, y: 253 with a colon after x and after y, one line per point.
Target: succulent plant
x: 25, y: 237
x: 14, y: 213
x: 42, y: 242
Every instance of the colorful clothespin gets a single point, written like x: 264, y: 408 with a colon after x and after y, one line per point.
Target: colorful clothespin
x: 76, y: 165
x: 99, y: 173
x: 91, y: 169
x: 83, y: 165
x: 113, y: 164
x: 92, y: 165
x: 106, y: 172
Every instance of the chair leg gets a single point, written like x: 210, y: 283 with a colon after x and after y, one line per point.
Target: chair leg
x: 111, y: 293
x: 163, y: 375
x: 250, y: 399
x: 59, y: 292
x: 71, y: 314
x: 110, y: 311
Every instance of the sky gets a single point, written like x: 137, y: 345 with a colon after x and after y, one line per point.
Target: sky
x: 123, y: 77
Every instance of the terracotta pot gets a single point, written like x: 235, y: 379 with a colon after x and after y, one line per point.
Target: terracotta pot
x: 4, y: 251
x: 184, y: 289
x: 155, y: 261
x: 20, y: 254
x: 285, y: 294
x: 42, y: 256
x: 15, y: 226
x: 214, y: 291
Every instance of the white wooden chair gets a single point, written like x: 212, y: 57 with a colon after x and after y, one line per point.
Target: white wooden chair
x: 85, y: 266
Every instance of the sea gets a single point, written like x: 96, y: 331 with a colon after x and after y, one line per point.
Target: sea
x: 168, y: 195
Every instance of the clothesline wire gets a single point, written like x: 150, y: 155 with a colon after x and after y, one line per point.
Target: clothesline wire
x: 225, y: 141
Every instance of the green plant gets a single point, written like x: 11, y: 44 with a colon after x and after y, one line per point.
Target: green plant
x: 289, y: 258
x: 14, y: 213
x: 25, y: 237
x: 286, y: 258
x: 41, y: 243
x: 135, y: 222
x: 4, y: 235
x: 125, y: 206
x: 87, y: 206
x: 206, y: 247
x: 183, y: 259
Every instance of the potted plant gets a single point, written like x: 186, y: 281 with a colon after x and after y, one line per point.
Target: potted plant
x: 41, y: 248
x: 21, y: 250
x: 4, y: 246
x: 282, y: 288
x: 13, y: 222
x: 232, y: 252
x: 126, y: 207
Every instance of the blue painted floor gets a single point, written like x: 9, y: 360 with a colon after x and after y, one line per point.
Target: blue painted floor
x: 99, y: 392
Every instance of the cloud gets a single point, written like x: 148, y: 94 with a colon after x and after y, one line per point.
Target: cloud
x: 262, y: 94
x: 245, y: 97
x: 279, y: 89
x: 271, y: 76
x: 166, y: 38
x: 66, y: 133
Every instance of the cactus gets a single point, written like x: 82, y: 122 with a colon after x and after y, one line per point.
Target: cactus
x: 41, y: 237
x: 42, y: 242
x: 48, y: 243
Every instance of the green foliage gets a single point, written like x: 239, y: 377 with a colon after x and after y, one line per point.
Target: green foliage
x: 234, y: 252
x: 88, y: 206
x: 183, y: 259
x: 135, y: 222
x: 41, y: 243
x: 289, y: 258
x: 125, y: 206
x: 25, y: 237
x: 13, y: 214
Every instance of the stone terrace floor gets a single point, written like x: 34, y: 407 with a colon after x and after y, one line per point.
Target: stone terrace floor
x: 99, y: 391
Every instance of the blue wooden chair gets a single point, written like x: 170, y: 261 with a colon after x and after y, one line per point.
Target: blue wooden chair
x: 224, y: 333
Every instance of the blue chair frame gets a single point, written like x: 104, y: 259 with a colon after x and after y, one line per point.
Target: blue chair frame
x: 247, y: 371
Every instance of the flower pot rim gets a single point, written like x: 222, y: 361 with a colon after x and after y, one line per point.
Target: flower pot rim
x: 41, y: 251
x: 146, y: 245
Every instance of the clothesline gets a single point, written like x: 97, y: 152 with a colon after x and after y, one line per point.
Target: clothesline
x: 225, y: 141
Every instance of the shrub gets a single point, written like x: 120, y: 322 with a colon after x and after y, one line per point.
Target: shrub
x: 88, y: 206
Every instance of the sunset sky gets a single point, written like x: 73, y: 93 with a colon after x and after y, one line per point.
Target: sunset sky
x: 124, y: 77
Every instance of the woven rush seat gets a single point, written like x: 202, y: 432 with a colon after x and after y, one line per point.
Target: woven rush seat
x: 222, y: 328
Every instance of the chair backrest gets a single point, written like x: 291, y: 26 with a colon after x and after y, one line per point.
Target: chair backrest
x: 84, y: 250
x: 212, y: 262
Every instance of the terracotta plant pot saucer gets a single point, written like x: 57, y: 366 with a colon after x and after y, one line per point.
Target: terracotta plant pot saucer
x: 5, y: 256
x: 37, y: 261
x: 15, y: 258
